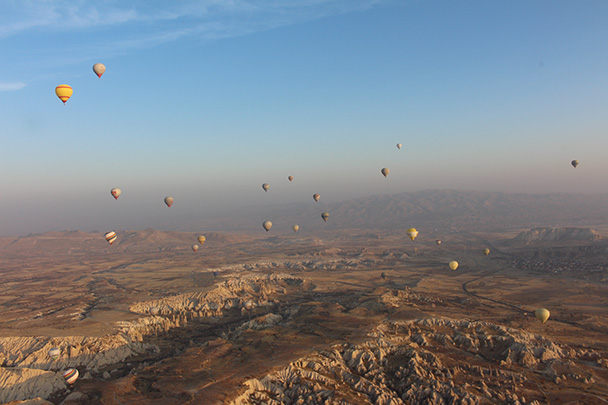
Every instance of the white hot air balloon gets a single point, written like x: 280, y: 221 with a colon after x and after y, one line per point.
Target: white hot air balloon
x: 116, y: 192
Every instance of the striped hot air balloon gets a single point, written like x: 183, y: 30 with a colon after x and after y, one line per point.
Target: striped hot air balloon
x: 64, y: 92
x: 70, y: 375
x: 111, y: 237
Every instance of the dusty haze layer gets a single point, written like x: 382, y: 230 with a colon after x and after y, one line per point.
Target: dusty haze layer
x: 354, y: 315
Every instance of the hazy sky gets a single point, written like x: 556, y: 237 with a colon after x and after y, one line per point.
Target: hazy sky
x: 205, y: 100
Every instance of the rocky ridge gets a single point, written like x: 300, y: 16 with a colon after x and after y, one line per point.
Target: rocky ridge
x: 413, y: 362
x: 27, y: 371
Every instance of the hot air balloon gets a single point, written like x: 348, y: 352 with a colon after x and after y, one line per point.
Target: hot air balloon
x: 383, y: 275
x: 267, y: 225
x: 412, y: 233
x: 201, y: 239
x: 438, y: 242
x: 54, y: 353
x: 266, y: 186
x: 486, y: 251
x: 325, y: 215
x: 111, y: 237
x: 573, y: 163
x: 384, y: 171
x: 453, y: 265
x: 316, y: 197
x: 295, y: 228
x: 399, y: 146
x: 154, y: 311
x: 169, y: 201
x: 64, y: 92
x: 99, y: 69
x: 116, y: 192
x: 290, y: 178
x: 542, y: 314
x: 195, y: 247
x: 70, y: 375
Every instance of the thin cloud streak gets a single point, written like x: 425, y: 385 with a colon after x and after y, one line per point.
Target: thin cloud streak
x: 158, y: 22
x: 11, y: 86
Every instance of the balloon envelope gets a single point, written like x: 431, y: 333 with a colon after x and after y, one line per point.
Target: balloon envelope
x: 542, y: 314
x: 195, y: 247
x: 201, y: 239
x: 290, y: 178
x: 384, y: 171
x: 412, y: 233
x: 99, y: 69
x: 116, y: 192
x: 486, y: 251
x: 453, y: 265
x: 265, y: 186
x: 325, y: 215
x: 70, y: 375
x: 64, y: 92
x: 399, y: 146
x: 574, y: 163
x: 438, y: 242
x: 154, y: 311
x: 267, y: 225
x: 54, y: 353
x: 295, y: 228
x: 316, y: 197
x: 169, y: 201
x: 111, y: 237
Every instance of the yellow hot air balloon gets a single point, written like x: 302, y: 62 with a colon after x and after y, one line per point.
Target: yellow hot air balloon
x: 64, y: 92
x: 295, y: 228
x: 412, y: 233
x: 574, y: 163
x: 111, y: 237
x: 290, y: 178
x: 266, y: 186
x: 486, y: 251
x: 384, y: 171
x: 195, y: 247
x: 99, y: 69
x: 325, y: 215
x: 201, y: 239
x: 169, y: 201
x: 438, y: 242
x: 453, y: 265
x: 542, y: 314
x: 116, y: 192
x: 267, y: 225
x: 316, y: 197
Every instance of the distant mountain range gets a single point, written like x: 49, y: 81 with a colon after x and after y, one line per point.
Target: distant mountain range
x: 443, y: 210
x: 437, y: 209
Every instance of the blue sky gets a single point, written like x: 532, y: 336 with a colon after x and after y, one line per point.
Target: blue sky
x: 207, y: 100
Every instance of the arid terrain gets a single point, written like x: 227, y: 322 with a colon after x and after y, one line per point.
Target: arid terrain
x: 335, y: 315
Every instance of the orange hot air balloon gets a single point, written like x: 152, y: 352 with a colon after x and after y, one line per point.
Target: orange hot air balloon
x: 290, y: 178
x: 64, y: 92
x: 316, y: 197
